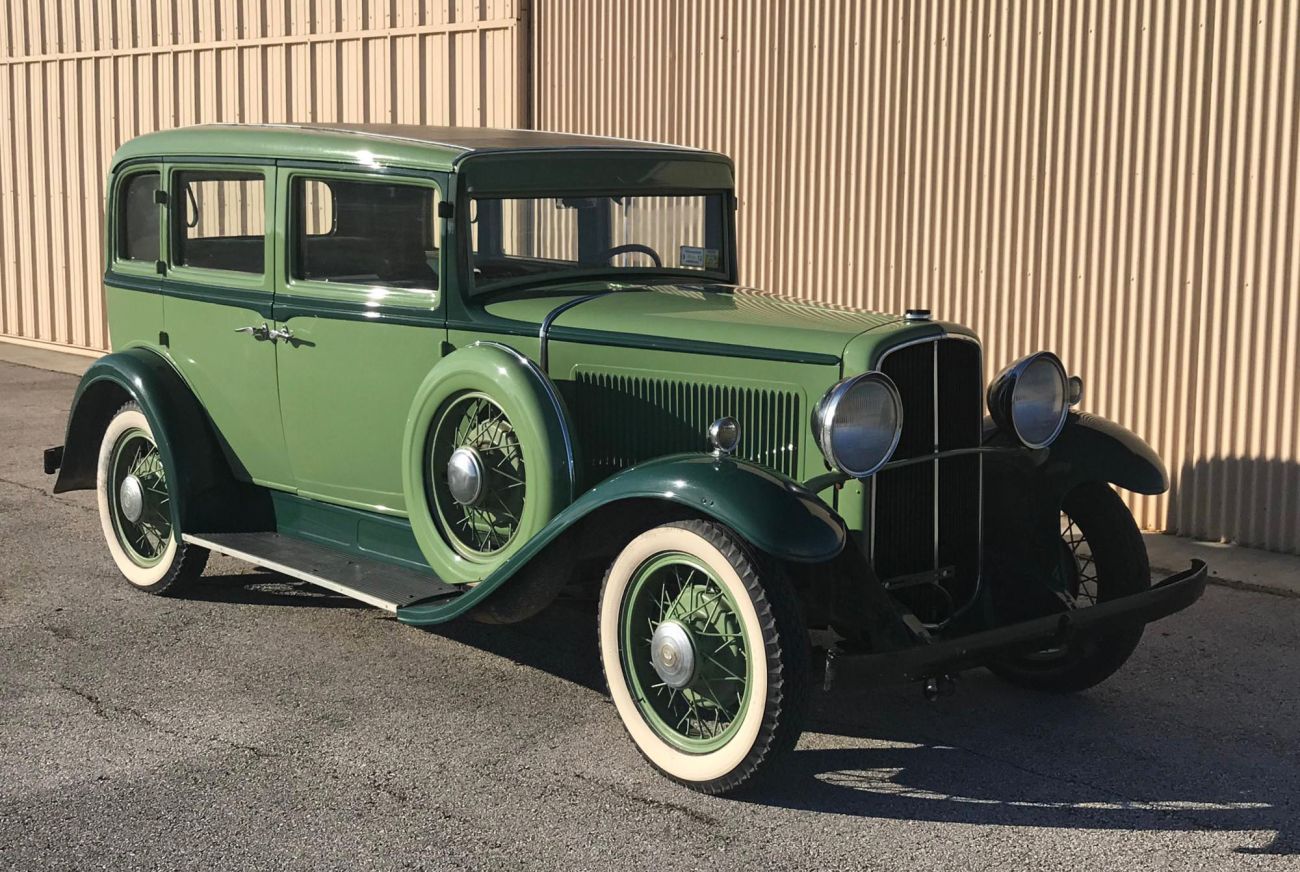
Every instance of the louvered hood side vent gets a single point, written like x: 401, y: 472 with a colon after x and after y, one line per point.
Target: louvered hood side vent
x: 625, y: 419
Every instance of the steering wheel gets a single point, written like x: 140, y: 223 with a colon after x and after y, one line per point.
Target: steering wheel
x: 631, y: 248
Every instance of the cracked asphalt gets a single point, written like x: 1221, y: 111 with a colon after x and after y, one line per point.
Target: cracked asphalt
x: 263, y: 724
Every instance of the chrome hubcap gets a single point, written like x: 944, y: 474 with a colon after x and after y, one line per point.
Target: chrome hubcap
x: 465, y: 476
x: 672, y: 653
x: 130, y: 498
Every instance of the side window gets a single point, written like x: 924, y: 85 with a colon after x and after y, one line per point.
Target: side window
x: 359, y: 232
x: 220, y: 220
x: 137, y: 218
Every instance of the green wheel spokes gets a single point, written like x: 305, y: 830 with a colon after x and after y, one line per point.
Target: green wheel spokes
x: 701, y: 711
x: 488, y: 524
x: 145, y: 530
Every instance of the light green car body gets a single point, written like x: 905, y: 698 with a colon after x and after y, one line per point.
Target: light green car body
x: 328, y: 431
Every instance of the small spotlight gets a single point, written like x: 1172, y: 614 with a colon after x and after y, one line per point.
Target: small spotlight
x: 724, y: 433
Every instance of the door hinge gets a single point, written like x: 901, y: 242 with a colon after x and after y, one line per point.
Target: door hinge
x: 160, y: 267
x: 160, y: 197
x: 446, y: 209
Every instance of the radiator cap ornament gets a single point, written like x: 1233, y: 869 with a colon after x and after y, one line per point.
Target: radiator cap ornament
x: 917, y: 315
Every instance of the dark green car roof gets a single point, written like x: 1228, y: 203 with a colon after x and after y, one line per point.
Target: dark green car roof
x: 437, y: 148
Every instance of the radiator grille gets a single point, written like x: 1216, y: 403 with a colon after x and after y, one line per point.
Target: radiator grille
x: 927, y: 515
x: 625, y: 419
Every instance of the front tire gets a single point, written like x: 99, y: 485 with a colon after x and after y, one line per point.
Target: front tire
x: 1104, y: 558
x: 705, y: 655
x: 134, y: 497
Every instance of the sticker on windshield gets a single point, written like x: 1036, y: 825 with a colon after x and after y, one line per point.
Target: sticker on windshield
x: 693, y: 255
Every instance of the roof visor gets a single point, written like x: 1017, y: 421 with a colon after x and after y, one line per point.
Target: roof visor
x: 604, y: 171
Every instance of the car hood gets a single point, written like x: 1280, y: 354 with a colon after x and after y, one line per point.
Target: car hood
x: 708, y: 315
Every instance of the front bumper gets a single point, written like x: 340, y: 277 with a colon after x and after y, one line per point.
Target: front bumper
x: 930, y: 659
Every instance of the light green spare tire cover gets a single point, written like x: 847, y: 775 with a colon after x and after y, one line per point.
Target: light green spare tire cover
x: 540, y: 421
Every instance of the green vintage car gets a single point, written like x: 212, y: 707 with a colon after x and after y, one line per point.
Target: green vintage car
x: 454, y: 372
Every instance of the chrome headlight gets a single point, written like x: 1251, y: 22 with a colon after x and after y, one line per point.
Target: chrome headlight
x: 858, y: 422
x: 1030, y: 399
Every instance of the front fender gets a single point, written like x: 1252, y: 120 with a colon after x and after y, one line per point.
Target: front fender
x: 775, y: 514
x: 205, y: 496
x: 1023, y: 493
x: 1091, y: 448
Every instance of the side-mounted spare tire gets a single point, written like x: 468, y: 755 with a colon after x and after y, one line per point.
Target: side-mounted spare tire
x: 487, y: 459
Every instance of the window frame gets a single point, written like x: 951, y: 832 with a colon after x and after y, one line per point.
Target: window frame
x: 369, y: 293
x: 114, y: 239
x: 262, y: 281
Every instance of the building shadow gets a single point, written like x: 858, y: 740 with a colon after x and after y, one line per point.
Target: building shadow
x: 1251, y: 501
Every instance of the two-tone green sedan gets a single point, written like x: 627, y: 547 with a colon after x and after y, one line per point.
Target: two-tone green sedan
x: 452, y: 371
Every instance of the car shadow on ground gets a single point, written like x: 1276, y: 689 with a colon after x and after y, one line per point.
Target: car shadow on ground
x: 999, y: 773
x: 263, y: 587
x: 967, y: 759
x: 971, y: 760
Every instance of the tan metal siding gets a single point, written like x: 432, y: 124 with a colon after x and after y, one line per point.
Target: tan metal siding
x: 79, y: 78
x: 1113, y: 181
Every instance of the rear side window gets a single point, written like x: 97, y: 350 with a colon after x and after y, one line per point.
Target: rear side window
x: 359, y: 232
x: 137, y: 218
x: 221, y: 220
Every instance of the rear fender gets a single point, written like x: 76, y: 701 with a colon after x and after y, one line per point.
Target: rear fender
x: 775, y: 514
x: 206, y: 495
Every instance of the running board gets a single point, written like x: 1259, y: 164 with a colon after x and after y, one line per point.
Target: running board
x: 380, y: 584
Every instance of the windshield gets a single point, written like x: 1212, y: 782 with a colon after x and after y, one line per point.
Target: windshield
x: 514, y: 241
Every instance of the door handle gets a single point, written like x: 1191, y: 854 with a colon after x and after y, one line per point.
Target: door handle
x: 283, y: 334
x: 261, y: 332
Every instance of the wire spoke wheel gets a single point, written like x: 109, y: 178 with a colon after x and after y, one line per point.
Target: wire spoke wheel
x: 705, y: 654
x: 1080, y: 567
x: 1080, y: 575
x: 139, y: 502
x: 685, y: 653
x: 1102, y: 558
x: 480, y: 512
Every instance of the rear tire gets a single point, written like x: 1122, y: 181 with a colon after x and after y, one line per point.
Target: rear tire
x: 733, y: 629
x: 136, y: 516
x: 1102, y: 541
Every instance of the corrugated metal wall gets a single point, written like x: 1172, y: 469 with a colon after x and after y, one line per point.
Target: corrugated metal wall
x: 79, y: 77
x: 1116, y: 181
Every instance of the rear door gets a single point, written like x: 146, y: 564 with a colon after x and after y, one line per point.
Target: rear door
x: 132, y: 282
x: 359, y: 289
x: 218, y: 291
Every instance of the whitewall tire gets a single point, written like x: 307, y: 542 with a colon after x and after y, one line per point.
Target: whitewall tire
x: 134, y: 495
x: 704, y: 653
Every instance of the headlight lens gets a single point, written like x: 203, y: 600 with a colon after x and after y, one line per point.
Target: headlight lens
x: 1030, y: 399
x: 858, y: 422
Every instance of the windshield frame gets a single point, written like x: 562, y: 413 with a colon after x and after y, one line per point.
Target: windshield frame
x: 587, y: 273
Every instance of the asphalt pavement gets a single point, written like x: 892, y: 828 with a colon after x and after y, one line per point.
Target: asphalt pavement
x: 266, y: 724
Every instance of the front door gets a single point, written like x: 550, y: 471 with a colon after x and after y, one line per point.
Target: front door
x: 360, y: 296
x: 217, y: 295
